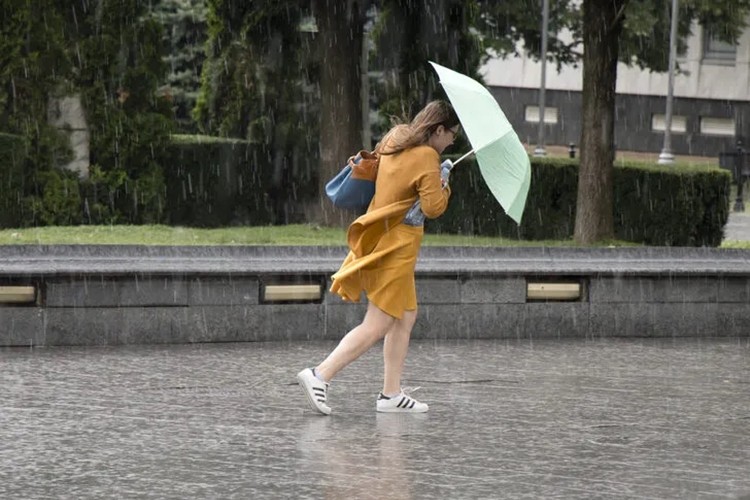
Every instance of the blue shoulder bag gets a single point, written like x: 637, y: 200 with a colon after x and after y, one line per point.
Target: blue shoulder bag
x: 354, y: 186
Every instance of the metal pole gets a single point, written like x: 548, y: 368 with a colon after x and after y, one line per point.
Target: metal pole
x: 539, y: 151
x: 666, y: 157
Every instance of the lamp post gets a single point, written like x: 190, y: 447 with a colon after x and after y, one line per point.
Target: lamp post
x: 539, y: 151
x: 666, y: 157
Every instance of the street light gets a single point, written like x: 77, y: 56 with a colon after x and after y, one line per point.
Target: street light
x: 539, y: 151
x: 666, y: 157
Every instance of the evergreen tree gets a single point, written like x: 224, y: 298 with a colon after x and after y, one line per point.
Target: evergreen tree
x: 119, y: 67
x: 184, y: 25
x: 35, y: 65
x: 257, y: 84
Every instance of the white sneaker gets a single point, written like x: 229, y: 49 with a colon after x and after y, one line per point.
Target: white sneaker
x: 402, y: 403
x: 315, y: 390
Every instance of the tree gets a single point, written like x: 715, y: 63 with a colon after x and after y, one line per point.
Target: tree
x: 635, y: 32
x: 340, y: 27
x: 410, y: 33
x: 119, y: 67
x: 602, y: 25
x: 257, y: 86
x: 34, y: 63
x: 184, y: 26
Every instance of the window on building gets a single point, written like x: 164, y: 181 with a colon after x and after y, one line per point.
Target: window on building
x: 715, y: 49
x: 717, y: 126
x: 550, y: 115
x: 659, y: 124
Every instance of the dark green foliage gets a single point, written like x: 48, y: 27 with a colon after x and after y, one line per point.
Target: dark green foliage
x: 713, y: 197
x: 645, y: 39
x: 128, y: 176
x: 410, y: 34
x: 653, y: 205
x: 207, y: 183
x: 506, y: 24
x: 217, y: 182
x: 255, y: 76
x: 110, y: 53
x: 130, y: 123
x: 34, y: 60
x: 34, y: 65
x: 31, y: 194
x: 12, y: 155
x: 258, y: 85
x: 512, y: 25
x: 549, y: 213
x: 102, y: 193
x: 184, y: 27
x: 57, y: 201
x: 661, y: 206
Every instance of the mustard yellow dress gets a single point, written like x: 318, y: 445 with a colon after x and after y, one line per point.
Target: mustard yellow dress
x: 383, y: 250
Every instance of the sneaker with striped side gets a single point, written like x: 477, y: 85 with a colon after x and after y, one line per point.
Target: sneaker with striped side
x: 401, y: 403
x: 316, y: 391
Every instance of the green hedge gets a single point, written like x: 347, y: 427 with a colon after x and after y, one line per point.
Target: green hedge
x: 13, y: 152
x: 214, y: 182
x: 549, y: 212
x: 654, y: 205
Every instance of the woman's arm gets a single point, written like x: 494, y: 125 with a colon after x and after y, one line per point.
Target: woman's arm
x: 432, y: 195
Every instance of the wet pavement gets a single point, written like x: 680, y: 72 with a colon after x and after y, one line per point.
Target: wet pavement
x: 638, y: 418
x: 738, y: 227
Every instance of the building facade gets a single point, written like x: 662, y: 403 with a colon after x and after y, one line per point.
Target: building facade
x: 711, y: 99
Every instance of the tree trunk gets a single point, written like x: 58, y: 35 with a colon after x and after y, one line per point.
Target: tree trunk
x: 602, y: 25
x: 340, y: 27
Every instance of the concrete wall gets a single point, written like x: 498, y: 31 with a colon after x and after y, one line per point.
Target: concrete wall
x: 476, y: 293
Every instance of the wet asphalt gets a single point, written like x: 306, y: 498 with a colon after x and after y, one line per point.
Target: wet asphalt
x: 614, y: 419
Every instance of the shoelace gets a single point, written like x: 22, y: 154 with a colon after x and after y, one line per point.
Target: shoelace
x: 406, y: 391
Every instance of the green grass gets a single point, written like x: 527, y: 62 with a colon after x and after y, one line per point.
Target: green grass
x: 166, y: 235
x: 298, y: 234
x: 265, y: 235
x: 743, y: 245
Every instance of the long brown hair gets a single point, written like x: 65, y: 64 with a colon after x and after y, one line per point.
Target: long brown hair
x: 404, y: 136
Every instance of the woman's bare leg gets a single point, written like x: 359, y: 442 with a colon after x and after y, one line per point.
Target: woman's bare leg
x: 395, y: 347
x: 355, y: 343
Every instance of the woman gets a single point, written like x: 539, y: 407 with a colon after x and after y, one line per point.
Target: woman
x: 384, y: 252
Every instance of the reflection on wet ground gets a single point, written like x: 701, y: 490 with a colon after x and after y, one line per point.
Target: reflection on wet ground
x: 572, y: 419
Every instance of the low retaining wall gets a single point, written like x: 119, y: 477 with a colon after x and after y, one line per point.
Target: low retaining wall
x: 94, y: 295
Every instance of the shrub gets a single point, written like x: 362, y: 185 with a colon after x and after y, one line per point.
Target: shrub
x: 58, y: 202
x: 216, y: 182
x: 677, y: 205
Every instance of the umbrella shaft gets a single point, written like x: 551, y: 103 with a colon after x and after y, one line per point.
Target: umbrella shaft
x: 463, y: 157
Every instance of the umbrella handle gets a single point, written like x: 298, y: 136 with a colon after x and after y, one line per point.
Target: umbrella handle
x: 463, y: 157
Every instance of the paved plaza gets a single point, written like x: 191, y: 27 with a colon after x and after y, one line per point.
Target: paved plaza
x: 610, y: 419
x: 738, y: 227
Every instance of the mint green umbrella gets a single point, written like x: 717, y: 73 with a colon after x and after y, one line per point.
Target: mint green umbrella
x: 502, y: 159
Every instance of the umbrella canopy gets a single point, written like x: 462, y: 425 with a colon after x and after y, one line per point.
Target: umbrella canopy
x: 502, y: 159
